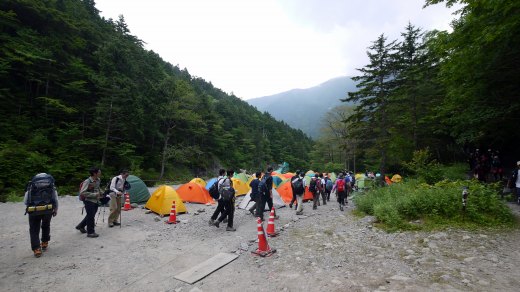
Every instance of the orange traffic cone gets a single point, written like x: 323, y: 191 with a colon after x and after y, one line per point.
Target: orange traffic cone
x: 263, y: 247
x: 127, y: 206
x: 173, y: 215
x: 270, y: 225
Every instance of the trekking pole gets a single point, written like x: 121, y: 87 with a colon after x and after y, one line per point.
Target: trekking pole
x: 97, y: 220
x: 104, y: 209
x: 120, y: 213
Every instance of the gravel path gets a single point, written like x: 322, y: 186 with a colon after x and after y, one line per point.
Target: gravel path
x: 323, y: 250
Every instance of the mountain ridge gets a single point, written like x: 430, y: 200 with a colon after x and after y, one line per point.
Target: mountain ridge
x: 305, y: 108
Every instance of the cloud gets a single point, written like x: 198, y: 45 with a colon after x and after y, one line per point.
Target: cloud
x: 257, y: 48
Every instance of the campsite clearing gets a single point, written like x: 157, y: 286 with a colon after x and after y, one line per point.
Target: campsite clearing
x: 323, y: 250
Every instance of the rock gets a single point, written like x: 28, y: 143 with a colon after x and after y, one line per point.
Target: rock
x: 148, y: 212
x: 184, y: 221
x: 483, y: 283
x: 134, y: 205
x: 201, y: 210
x: 466, y: 237
x: 157, y: 219
x: 469, y: 259
x: 440, y: 235
x: 483, y: 236
x: 195, y: 213
x: 466, y: 282
x: 410, y: 252
x: 446, y: 278
x: 336, y: 281
x: 399, y: 278
x: 244, y: 246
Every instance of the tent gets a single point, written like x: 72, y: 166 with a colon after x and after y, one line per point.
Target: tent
x: 210, y: 182
x: 138, y: 190
x: 277, y: 181
x: 309, y: 173
x: 359, y: 176
x: 194, y: 193
x: 387, y: 180
x: 241, y: 187
x: 162, y: 199
x: 332, y: 177
x: 277, y: 201
x: 241, y: 176
x: 396, y: 178
x: 285, y: 191
x: 307, y: 195
x: 199, y: 181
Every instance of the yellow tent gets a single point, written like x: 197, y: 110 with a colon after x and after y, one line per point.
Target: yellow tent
x: 241, y: 187
x: 162, y: 199
x: 396, y: 178
x: 199, y: 181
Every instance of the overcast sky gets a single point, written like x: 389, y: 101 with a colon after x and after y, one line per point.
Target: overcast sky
x: 254, y: 48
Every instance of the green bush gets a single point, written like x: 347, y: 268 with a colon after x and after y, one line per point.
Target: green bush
x: 439, y: 204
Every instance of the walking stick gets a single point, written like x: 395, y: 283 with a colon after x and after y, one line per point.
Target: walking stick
x: 120, y: 217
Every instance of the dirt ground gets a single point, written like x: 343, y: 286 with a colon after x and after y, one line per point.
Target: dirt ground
x: 323, y: 250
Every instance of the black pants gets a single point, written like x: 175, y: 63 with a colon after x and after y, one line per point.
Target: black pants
x: 89, y: 220
x: 324, y: 197
x: 35, y: 222
x: 260, y: 206
x: 220, y: 209
x: 341, y: 197
x: 294, y: 200
x: 229, y: 212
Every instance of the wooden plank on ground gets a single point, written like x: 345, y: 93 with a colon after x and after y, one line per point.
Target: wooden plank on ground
x: 205, y: 268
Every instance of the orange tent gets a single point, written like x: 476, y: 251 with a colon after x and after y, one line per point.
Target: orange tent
x: 194, y: 193
x: 387, y: 180
x: 307, y: 195
x: 285, y: 191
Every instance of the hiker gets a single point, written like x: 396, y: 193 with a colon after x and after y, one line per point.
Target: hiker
x: 313, y: 188
x: 327, y: 182
x: 90, y: 189
x: 320, y: 185
x: 340, y: 188
x: 496, y: 168
x: 41, y: 199
x: 255, y: 195
x: 514, y: 181
x: 293, y: 200
x: 228, y: 201
x: 298, y: 187
x: 220, y: 203
x: 117, y: 188
x: 265, y: 188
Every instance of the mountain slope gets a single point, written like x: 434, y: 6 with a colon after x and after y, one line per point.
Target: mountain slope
x: 304, y: 108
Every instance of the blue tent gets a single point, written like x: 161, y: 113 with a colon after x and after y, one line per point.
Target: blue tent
x: 210, y: 182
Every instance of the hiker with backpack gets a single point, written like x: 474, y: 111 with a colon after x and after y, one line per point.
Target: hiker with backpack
x: 41, y: 199
x: 298, y: 187
x: 215, y: 194
x: 255, y: 195
x: 313, y: 188
x: 293, y: 200
x: 341, y: 190
x: 227, y: 200
x: 117, y: 189
x: 320, y: 185
x: 265, y: 189
x: 327, y: 182
x: 90, y: 194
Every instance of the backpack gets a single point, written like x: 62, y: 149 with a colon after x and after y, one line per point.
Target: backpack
x: 226, y: 192
x: 262, y: 186
x: 213, y: 190
x: 329, y: 185
x: 319, y: 186
x: 298, y: 185
x: 312, y: 186
x: 341, y: 185
x: 40, y: 192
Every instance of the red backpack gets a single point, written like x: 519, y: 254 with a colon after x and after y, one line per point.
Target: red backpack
x: 341, y: 185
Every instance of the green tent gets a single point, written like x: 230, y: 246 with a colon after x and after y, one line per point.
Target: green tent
x: 138, y: 190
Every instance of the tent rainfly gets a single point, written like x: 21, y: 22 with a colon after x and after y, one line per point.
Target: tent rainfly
x: 162, y: 199
x: 194, y: 193
x: 138, y: 190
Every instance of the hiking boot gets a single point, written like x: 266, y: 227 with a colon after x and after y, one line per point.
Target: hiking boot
x: 252, y: 212
x: 276, y: 217
x: 117, y: 223
x: 93, y: 235
x: 314, y: 208
x: 45, y: 245
x: 37, y: 252
x: 340, y: 208
x: 290, y: 206
x: 299, y: 213
x: 216, y: 223
x: 211, y: 222
x: 81, y: 229
x: 110, y: 224
x: 231, y: 228
x: 225, y: 220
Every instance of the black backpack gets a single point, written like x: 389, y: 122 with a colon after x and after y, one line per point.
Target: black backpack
x: 298, y: 185
x: 213, y: 190
x: 40, y: 192
x: 262, y: 186
x: 312, y: 185
x: 226, y: 192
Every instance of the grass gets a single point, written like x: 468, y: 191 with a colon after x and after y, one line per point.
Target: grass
x: 438, y: 206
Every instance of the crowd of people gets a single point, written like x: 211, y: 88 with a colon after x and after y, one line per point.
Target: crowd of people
x: 486, y: 166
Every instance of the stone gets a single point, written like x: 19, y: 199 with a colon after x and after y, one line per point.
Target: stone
x: 134, y: 205
x: 466, y: 237
x: 469, y: 259
x: 399, y: 278
x: 157, y: 219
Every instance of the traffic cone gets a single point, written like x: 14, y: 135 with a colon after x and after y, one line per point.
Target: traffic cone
x: 263, y: 247
x: 173, y: 215
x: 127, y: 206
x: 270, y: 225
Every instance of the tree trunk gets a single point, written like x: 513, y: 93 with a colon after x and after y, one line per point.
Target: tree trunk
x: 107, y: 134
x: 165, y: 149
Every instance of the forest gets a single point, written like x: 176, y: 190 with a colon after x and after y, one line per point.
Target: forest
x: 444, y: 93
x: 78, y: 90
